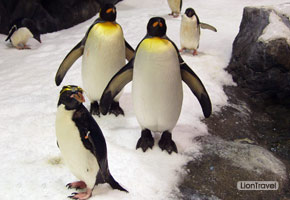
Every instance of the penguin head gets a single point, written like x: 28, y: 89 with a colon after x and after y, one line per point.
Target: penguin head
x: 156, y: 27
x: 71, y: 96
x: 189, y: 12
x: 108, y: 13
x: 30, y: 24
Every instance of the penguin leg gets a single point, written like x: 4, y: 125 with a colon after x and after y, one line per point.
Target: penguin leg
x: 116, y: 109
x: 77, y: 185
x: 82, y: 195
x: 95, y: 110
x: 194, y: 52
x: 166, y: 142
x: 26, y: 46
x: 146, y: 140
x: 182, y: 49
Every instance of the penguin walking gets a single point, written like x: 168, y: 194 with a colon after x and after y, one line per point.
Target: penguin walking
x: 21, y: 31
x: 156, y: 72
x: 175, y: 6
x: 82, y: 144
x: 190, y: 30
x: 104, y: 52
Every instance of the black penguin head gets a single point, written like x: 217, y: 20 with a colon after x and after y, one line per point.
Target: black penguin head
x: 71, y: 96
x: 156, y: 27
x: 108, y: 13
x: 190, y: 12
x: 30, y: 24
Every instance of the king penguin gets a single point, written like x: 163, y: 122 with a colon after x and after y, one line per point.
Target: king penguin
x: 156, y: 72
x: 190, y: 30
x: 82, y: 144
x: 104, y: 52
x: 21, y: 31
x: 175, y: 6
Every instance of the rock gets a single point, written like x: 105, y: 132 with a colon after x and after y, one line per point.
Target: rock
x: 260, y: 59
x: 49, y: 16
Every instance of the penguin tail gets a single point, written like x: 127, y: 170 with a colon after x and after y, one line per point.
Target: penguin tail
x: 114, y: 184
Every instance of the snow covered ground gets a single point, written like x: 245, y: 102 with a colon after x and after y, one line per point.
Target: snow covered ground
x: 30, y: 161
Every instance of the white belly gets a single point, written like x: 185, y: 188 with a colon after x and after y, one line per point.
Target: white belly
x: 104, y: 56
x: 157, y: 88
x: 174, y: 5
x: 189, y: 33
x: 21, y: 36
x: 79, y: 160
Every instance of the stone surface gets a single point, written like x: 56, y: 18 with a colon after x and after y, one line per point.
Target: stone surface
x: 49, y: 16
x: 262, y: 67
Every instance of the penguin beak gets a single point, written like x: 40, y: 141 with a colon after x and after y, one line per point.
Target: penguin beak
x: 110, y: 10
x: 78, y: 96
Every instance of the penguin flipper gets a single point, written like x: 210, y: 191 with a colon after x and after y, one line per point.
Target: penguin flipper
x: 207, y: 26
x: 116, y: 84
x: 197, y: 88
x: 129, y: 51
x: 70, y: 58
x: 12, y: 30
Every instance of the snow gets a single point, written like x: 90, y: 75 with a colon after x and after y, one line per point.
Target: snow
x: 30, y: 160
x: 277, y: 28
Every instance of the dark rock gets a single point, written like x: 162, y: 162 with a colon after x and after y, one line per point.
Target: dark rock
x: 49, y: 15
x: 263, y: 68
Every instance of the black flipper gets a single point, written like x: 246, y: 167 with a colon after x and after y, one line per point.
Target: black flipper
x: 71, y: 57
x: 196, y: 86
x: 130, y: 53
x: 12, y: 30
x: 207, y: 26
x: 116, y: 84
x: 93, y: 140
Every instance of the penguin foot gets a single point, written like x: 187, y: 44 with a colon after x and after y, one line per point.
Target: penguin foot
x: 182, y: 49
x: 194, y: 52
x: 95, y: 109
x: 145, y: 141
x: 116, y: 109
x: 81, y: 195
x: 166, y: 143
x: 77, y: 185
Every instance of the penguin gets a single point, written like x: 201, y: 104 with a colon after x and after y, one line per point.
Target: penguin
x: 81, y: 143
x: 21, y: 31
x: 190, y: 30
x: 156, y: 71
x: 104, y: 52
x: 175, y: 6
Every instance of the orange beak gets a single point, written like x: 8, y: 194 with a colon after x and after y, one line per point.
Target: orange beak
x: 79, y: 97
x: 110, y: 10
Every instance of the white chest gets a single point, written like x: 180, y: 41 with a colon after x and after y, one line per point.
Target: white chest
x: 104, y: 55
x: 189, y: 32
x: 21, y: 36
x: 157, y: 86
x: 79, y: 160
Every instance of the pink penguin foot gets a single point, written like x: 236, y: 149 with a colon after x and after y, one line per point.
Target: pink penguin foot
x: 81, y: 195
x: 194, y: 52
x: 182, y: 49
x: 77, y: 185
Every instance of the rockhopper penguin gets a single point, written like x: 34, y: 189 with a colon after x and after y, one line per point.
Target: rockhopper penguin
x: 81, y: 143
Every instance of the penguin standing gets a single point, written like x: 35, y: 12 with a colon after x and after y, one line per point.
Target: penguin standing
x: 156, y: 71
x: 175, y: 6
x: 104, y: 51
x: 82, y: 144
x: 21, y: 31
x: 190, y: 30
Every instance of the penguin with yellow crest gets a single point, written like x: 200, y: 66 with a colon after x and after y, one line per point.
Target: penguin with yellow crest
x: 104, y: 52
x: 156, y: 72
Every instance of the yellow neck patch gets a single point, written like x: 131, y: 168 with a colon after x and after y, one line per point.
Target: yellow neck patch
x: 155, y: 44
x: 106, y: 28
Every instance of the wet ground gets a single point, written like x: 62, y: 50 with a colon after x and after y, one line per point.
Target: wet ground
x: 249, y: 141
